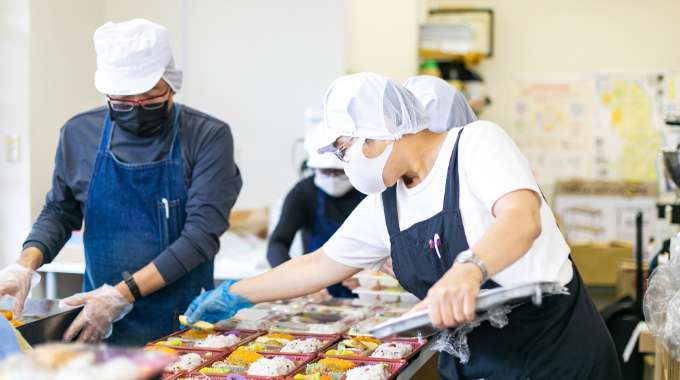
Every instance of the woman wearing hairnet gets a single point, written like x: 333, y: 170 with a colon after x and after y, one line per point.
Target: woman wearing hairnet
x: 456, y: 212
x: 317, y: 205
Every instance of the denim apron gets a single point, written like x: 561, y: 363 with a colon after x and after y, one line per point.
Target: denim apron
x: 133, y: 213
x: 323, y: 229
x: 545, y: 342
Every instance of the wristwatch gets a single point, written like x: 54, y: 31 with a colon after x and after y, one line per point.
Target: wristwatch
x: 468, y: 256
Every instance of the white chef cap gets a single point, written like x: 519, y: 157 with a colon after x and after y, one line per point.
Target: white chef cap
x: 446, y: 106
x: 132, y: 56
x: 371, y: 106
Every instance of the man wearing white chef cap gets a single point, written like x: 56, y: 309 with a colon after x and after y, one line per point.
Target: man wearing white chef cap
x: 153, y: 180
x: 456, y: 212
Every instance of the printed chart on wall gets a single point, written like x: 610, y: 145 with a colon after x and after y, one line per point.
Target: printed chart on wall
x: 602, y: 127
x: 552, y: 126
x: 628, y: 126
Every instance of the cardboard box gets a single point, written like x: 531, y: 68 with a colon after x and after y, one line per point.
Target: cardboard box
x: 599, y: 264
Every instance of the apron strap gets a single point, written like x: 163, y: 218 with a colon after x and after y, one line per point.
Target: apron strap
x: 175, y: 151
x: 452, y: 191
x: 389, y: 199
x: 105, y: 141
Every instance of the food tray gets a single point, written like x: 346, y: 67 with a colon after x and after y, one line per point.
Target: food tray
x: 208, y: 356
x: 395, y: 365
x: 416, y: 345
x: 43, y: 320
x: 320, y: 319
x: 371, y: 295
x: 328, y: 341
x: 245, y: 335
x: 250, y: 319
x: 300, y: 361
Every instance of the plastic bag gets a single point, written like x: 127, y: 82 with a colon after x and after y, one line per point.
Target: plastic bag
x: 661, y: 304
x: 454, y: 341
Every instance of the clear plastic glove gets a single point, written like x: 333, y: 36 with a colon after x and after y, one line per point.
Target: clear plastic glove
x: 17, y: 281
x: 215, y: 305
x: 103, y: 306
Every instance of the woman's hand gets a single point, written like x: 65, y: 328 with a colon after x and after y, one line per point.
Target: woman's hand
x: 451, y: 300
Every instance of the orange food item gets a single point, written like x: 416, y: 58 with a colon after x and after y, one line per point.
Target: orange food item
x: 337, y: 365
x: 16, y: 323
x: 7, y: 314
x: 368, y: 339
x: 243, y: 357
x: 279, y: 336
x: 196, y: 334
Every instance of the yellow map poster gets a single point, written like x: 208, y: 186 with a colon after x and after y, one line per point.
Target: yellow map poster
x: 628, y: 126
x: 595, y: 127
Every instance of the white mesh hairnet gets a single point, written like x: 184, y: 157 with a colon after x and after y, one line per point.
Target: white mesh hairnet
x: 446, y: 106
x: 372, y: 106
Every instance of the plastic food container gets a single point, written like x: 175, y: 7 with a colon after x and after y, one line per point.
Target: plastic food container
x: 326, y: 340
x: 208, y: 358
x: 189, y: 342
x: 299, y: 360
x: 386, y: 296
x: 415, y: 343
x: 250, y: 319
x: 395, y: 366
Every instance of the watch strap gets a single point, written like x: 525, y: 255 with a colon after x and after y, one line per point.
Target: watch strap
x: 132, y: 285
x: 471, y: 257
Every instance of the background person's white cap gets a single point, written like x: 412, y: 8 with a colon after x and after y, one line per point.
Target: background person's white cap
x: 132, y: 56
x: 314, y: 139
x: 371, y: 106
x: 446, y: 106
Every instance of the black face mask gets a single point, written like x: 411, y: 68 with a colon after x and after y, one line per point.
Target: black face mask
x: 140, y: 121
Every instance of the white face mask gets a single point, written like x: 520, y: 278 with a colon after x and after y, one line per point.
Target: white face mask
x: 335, y: 186
x: 366, y: 174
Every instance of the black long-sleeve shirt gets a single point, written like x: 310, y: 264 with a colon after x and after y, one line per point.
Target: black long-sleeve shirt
x: 299, y: 213
x: 212, y: 177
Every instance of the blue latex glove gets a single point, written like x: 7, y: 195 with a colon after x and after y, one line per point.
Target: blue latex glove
x: 215, y: 305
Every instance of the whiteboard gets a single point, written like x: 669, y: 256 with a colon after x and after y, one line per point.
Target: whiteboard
x: 257, y: 65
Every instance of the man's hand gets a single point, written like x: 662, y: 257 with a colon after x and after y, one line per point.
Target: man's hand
x: 103, y: 306
x: 451, y: 300
x: 17, y: 281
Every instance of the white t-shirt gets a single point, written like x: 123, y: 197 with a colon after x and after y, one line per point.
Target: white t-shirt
x: 490, y: 165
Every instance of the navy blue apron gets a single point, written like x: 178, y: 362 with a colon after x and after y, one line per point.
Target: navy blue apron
x: 547, y: 342
x: 323, y: 229
x: 133, y: 213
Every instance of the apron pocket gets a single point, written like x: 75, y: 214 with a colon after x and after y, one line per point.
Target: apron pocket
x: 169, y: 221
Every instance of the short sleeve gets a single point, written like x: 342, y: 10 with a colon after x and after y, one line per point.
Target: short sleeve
x: 493, y: 164
x: 362, y: 241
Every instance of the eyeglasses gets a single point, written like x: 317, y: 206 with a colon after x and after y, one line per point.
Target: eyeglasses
x: 339, y: 147
x: 147, y: 104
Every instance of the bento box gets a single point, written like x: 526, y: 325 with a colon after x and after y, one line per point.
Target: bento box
x: 388, y: 349
x: 214, y: 340
x: 253, y: 366
x: 187, y: 360
x: 292, y: 343
x: 350, y: 369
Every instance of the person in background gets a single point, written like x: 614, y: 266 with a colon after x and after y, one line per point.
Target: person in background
x: 445, y: 106
x: 154, y: 182
x: 317, y: 206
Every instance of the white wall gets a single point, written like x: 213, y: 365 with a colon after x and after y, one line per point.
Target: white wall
x: 382, y: 36
x: 14, y: 120
x: 577, y: 36
x: 62, y: 65
x: 257, y: 65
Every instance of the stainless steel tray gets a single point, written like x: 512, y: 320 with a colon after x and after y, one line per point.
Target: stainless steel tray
x: 44, y: 320
x: 486, y: 300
